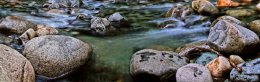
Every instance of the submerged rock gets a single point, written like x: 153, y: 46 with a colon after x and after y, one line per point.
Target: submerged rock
x: 204, y: 7
x: 55, y: 56
x: 249, y: 72
x: 219, y: 67
x: 193, y: 73
x: 232, y: 38
x: 155, y: 66
x: 14, y: 67
x: 15, y: 24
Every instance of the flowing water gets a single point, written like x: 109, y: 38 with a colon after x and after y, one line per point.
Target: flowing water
x: 112, y: 53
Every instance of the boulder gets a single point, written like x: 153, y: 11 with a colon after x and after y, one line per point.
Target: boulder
x: 229, y: 19
x: 155, y: 66
x: 179, y: 11
x: 219, y: 67
x: 249, y: 72
x: 101, y: 26
x: 14, y: 67
x: 232, y: 38
x: 15, y: 24
x: 193, y: 73
x: 55, y: 56
x: 204, y: 7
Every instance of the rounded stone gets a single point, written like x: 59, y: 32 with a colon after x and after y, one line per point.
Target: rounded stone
x: 54, y: 56
x: 204, y: 7
x: 258, y: 7
x: 193, y: 73
x: 219, y: 67
x: 14, y: 67
x: 235, y: 59
x: 241, y: 12
x: 155, y: 66
x: 255, y: 26
x: 15, y: 24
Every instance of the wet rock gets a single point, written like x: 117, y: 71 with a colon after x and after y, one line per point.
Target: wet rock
x: 14, y: 67
x: 204, y: 7
x: 117, y: 20
x: 5, y: 40
x: 193, y: 73
x: 229, y: 19
x: 56, y: 11
x: 232, y: 38
x: 219, y: 67
x: 46, y: 30
x: 101, y: 26
x: 227, y: 3
x: 179, y: 11
x: 155, y: 66
x: 27, y: 35
x: 236, y: 59
x: 55, y: 56
x: 205, y: 58
x: 249, y: 72
x: 255, y: 26
x: 15, y: 24
x: 240, y: 12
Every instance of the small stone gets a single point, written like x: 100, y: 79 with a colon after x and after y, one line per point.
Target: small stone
x: 249, y: 72
x: 258, y: 7
x: 14, y: 67
x: 27, y: 35
x: 101, y: 26
x: 204, y: 7
x: 45, y: 30
x: 236, y: 59
x: 255, y: 26
x: 155, y: 66
x: 193, y: 73
x: 55, y: 56
x: 15, y: 24
x: 219, y: 67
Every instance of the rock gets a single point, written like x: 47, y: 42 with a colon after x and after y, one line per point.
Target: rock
x: 193, y: 73
x: 227, y: 3
x: 55, y: 56
x: 258, y: 7
x: 15, y: 24
x: 232, y: 38
x: 241, y: 12
x: 56, y: 11
x: 204, y: 7
x: 179, y: 11
x: 229, y: 19
x: 14, y: 67
x: 155, y: 66
x: 117, y: 20
x: 255, y: 26
x: 249, y: 72
x: 5, y: 40
x: 101, y: 26
x: 27, y: 35
x: 171, y: 23
x: 236, y: 59
x: 45, y: 30
x: 219, y: 67
x: 64, y: 3
x: 205, y: 58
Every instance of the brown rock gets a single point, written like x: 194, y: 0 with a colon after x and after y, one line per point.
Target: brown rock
x: 236, y: 59
x: 46, y: 30
x: 219, y: 67
x: 55, y: 56
x: 255, y: 26
x: 204, y: 7
x: 240, y: 12
x: 27, y: 35
x: 16, y: 24
x: 14, y: 67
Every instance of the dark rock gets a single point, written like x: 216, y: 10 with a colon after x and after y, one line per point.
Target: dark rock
x: 155, y: 66
x: 55, y: 56
x: 193, y: 73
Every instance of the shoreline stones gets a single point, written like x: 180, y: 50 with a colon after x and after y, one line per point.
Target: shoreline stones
x: 193, y: 73
x: 55, y: 56
x: 219, y: 67
x: 204, y: 7
x: 15, y: 24
x: 155, y: 66
x: 249, y: 72
x: 14, y: 67
x: 232, y: 38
